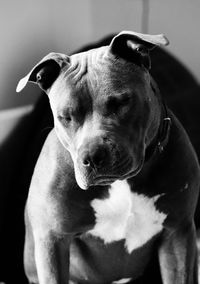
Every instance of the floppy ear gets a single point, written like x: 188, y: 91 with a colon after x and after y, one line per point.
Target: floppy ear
x: 45, y: 72
x: 135, y: 47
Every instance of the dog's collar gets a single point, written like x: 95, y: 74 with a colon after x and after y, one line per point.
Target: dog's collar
x: 160, y: 141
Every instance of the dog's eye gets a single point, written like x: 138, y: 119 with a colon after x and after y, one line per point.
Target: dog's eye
x: 68, y: 118
x: 65, y: 118
x: 125, y: 100
x: 115, y: 104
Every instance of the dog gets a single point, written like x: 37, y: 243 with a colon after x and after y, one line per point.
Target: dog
x: 116, y: 184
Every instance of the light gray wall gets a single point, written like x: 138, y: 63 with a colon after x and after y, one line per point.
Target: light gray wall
x: 29, y: 29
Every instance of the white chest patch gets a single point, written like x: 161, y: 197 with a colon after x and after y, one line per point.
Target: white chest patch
x: 126, y: 215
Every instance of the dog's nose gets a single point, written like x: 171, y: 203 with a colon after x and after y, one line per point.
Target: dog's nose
x: 96, y: 157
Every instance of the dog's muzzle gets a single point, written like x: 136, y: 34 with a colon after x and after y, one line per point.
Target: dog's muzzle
x: 103, y: 163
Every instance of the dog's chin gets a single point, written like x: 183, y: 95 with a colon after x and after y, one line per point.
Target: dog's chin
x: 84, y: 185
x: 86, y: 181
x: 83, y: 180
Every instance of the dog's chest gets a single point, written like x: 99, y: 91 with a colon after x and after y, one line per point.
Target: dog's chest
x: 127, y: 216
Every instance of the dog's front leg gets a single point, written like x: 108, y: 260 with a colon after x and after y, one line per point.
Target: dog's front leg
x: 52, y: 258
x: 178, y: 256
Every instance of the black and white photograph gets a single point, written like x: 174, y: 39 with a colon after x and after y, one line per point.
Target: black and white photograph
x: 99, y: 142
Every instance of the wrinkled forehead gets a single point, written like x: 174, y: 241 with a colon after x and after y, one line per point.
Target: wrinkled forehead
x: 99, y: 73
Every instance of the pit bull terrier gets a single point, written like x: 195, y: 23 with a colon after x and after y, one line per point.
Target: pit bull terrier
x: 116, y: 183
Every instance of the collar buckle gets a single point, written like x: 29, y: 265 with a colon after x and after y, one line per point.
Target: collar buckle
x: 164, y: 135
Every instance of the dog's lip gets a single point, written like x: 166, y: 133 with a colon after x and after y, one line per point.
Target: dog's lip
x: 109, y: 179
x: 134, y: 172
x: 104, y: 180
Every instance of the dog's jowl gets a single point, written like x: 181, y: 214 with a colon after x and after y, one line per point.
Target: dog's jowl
x: 108, y: 196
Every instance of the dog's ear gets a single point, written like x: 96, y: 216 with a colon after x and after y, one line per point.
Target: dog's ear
x: 135, y: 47
x: 46, y: 71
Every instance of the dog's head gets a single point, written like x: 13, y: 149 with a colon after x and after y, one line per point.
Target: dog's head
x: 105, y: 109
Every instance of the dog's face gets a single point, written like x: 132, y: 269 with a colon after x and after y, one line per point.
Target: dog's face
x: 101, y: 114
x: 103, y: 105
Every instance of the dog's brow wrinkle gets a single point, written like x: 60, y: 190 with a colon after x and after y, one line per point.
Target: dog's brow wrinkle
x: 78, y: 69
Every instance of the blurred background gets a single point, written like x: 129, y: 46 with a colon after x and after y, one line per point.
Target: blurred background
x: 29, y: 29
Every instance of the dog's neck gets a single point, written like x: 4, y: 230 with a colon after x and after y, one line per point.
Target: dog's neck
x: 160, y: 140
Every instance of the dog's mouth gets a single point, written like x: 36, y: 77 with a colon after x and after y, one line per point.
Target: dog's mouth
x: 120, y: 171
x: 108, y: 179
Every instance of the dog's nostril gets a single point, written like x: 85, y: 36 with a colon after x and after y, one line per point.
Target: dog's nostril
x: 95, y: 159
x: 86, y: 162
